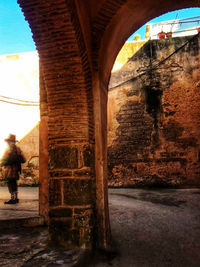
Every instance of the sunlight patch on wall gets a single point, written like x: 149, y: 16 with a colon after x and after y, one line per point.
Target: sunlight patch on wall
x: 19, y: 80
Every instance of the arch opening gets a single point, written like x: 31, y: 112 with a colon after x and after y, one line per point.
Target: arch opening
x: 140, y: 105
x: 153, y: 131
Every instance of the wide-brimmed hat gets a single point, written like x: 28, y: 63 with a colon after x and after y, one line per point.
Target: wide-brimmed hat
x: 11, y: 138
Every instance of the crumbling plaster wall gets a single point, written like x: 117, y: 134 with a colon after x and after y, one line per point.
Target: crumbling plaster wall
x: 154, y: 116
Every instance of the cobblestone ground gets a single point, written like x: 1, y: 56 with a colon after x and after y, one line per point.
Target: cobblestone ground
x: 29, y: 247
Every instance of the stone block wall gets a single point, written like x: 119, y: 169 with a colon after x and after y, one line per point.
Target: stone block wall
x: 154, y: 116
x: 71, y: 194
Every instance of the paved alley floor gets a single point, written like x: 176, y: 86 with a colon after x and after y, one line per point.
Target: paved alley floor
x: 22, y: 246
x: 150, y: 228
x: 153, y: 228
x: 26, y: 208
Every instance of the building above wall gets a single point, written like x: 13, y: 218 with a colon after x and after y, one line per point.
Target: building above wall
x: 173, y: 28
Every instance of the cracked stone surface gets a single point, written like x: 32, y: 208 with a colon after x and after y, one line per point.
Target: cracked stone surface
x: 30, y: 247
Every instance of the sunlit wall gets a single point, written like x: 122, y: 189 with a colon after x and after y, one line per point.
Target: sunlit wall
x: 19, y: 80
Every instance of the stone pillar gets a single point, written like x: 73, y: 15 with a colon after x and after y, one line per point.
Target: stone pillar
x: 43, y: 149
x: 71, y: 195
x: 100, y: 118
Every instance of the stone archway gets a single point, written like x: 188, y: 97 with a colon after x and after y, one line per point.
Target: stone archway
x: 112, y: 32
x: 127, y: 17
x: 77, y: 42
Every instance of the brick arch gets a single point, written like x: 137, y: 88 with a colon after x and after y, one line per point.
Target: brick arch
x: 112, y: 25
x: 67, y: 121
x: 60, y: 44
x: 123, y: 20
x: 105, y: 14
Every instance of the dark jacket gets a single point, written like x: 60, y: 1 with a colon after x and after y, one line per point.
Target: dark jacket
x: 11, y: 161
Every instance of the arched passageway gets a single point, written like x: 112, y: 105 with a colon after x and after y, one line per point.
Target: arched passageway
x: 77, y: 43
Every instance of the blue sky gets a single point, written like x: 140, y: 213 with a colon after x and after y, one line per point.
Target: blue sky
x: 16, y: 37
x: 15, y: 34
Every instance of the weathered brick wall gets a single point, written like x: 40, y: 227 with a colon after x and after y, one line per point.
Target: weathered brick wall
x: 154, y: 116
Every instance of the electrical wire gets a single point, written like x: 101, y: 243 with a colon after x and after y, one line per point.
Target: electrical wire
x: 20, y: 100
x: 19, y: 104
x: 155, y: 66
x: 179, y: 21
